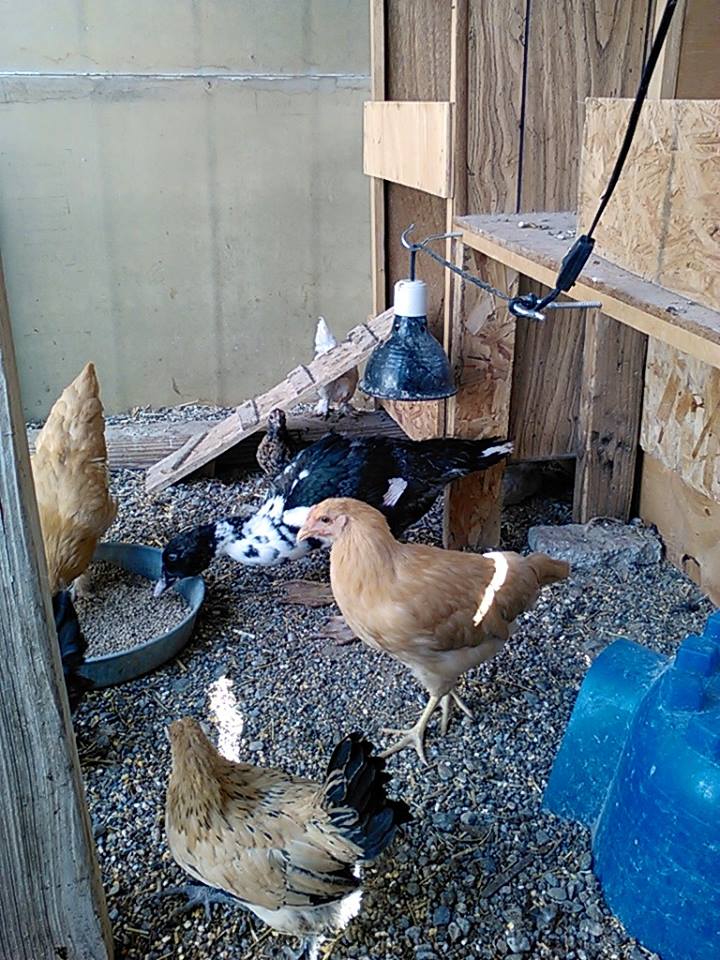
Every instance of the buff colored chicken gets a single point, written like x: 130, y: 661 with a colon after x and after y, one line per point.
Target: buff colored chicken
x: 440, y: 612
x: 283, y: 847
x: 71, y: 480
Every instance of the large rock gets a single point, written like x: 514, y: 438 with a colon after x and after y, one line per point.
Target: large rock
x: 604, y: 542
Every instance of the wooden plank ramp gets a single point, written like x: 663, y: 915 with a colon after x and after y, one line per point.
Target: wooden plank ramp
x: 299, y: 385
x: 137, y: 445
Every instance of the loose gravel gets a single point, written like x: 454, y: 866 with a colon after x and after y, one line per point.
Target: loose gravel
x: 121, y: 611
x: 482, y: 872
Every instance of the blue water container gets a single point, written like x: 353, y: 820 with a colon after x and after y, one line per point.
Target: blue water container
x: 640, y: 765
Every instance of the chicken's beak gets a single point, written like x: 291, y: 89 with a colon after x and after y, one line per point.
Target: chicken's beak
x: 306, y: 531
x: 161, y: 586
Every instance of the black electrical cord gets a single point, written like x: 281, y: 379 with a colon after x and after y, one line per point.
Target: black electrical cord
x: 578, y: 255
x: 573, y: 263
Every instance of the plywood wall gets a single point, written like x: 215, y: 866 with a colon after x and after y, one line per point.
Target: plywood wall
x: 664, y: 224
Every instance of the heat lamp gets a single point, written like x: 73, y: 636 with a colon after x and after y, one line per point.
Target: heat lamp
x: 410, y: 364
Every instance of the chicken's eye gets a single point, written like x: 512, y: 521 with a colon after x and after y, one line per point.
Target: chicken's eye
x: 324, y: 519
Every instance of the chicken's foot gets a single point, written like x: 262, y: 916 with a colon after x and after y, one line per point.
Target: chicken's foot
x: 308, y: 950
x: 447, y: 704
x: 415, y: 736
x: 82, y: 588
x: 199, y: 895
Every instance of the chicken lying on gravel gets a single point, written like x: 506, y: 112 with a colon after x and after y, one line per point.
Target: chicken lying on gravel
x: 285, y: 848
x: 440, y: 612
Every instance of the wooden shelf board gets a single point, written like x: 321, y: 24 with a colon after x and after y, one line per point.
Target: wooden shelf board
x: 536, y: 250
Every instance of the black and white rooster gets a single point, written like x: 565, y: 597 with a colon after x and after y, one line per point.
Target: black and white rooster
x: 402, y: 478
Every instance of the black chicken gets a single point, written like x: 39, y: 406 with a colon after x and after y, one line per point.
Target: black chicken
x: 401, y: 478
x: 72, y: 647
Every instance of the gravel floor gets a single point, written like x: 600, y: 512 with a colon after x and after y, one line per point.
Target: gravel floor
x: 482, y: 872
x: 121, y: 612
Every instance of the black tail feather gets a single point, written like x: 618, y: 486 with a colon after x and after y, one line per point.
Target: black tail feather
x: 72, y: 647
x: 356, y: 780
x: 455, y: 457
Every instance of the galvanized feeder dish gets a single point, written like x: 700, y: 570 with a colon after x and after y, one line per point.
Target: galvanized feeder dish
x: 124, y: 665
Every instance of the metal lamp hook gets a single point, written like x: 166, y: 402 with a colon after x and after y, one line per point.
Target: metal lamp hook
x: 415, y: 246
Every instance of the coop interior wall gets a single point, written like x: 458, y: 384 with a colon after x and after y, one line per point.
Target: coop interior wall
x: 181, y: 195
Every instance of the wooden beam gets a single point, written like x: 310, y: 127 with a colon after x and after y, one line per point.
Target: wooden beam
x: 537, y: 250
x: 482, y: 352
x: 138, y: 445
x: 611, y: 393
x: 547, y: 374
x: 495, y: 67
x: 300, y: 384
x: 409, y: 143
x: 699, y: 68
x: 377, y: 186
x: 457, y: 201
x: 417, y: 67
x: 664, y: 81
x: 51, y: 897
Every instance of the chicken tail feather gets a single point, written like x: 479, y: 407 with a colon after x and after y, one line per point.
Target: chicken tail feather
x: 356, y: 783
x: 548, y: 570
x: 453, y: 457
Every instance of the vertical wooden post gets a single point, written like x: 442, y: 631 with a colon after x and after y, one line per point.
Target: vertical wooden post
x: 482, y: 348
x: 377, y: 186
x: 609, y: 418
x: 51, y: 900
x: 457, y: 202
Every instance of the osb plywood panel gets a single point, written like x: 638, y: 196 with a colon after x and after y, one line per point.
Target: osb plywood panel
x: 481, y: 351
x: 409, y: 142
x: 689, y: 523
x: 682, y: 424
x: 482, y: 346
x: 574, y: 50
x: 664, y: 223
x: 663, y: 220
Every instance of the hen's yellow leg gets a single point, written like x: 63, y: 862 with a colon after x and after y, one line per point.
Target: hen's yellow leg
x: 446, y: 703
x: 415, y: 736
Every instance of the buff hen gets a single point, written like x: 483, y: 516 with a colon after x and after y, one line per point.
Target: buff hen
x: 71, y: 480
x: 440, y: 612
x: 283, y: 847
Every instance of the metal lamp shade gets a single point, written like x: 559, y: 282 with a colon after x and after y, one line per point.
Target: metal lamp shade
x: 409, y: 365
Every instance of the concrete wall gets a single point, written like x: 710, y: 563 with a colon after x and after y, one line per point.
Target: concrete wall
x: 180, y: 190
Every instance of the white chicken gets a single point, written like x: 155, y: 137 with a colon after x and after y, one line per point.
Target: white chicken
x: 341, y: 391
